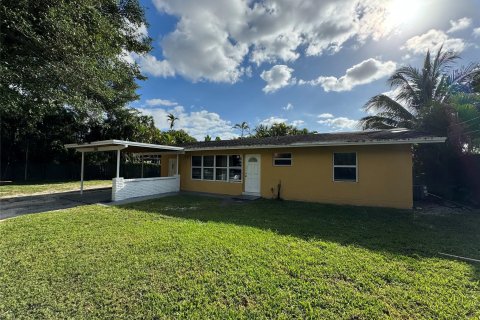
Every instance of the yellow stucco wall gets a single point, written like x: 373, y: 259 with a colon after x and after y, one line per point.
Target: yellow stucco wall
x: 384, y: 176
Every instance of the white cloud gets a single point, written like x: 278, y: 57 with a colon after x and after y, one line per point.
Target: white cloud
x: 460, y: 24
x: 340, y: 123
x: 214, y: 39
x: 289, y: 106
x: 432, y: 40
x: 297, y: 123
x: 272, y: 120
x: 197, y: 124
x: 476, y: 32
x: 160, y: 102
x: 277, y: 77
x: 325, y: 115
x: 150, y: 65
x: 365, y: 72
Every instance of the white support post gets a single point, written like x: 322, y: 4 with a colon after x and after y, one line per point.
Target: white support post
x: 81, y: 172
x: 177, y: 164
x: 118, y: 163
x: 142, y: 164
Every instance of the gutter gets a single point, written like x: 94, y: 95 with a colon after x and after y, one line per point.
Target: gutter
x: 325, y: 144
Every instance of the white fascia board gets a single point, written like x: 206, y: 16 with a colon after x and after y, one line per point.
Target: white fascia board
x: 107, y: 145
x: 327, y: 144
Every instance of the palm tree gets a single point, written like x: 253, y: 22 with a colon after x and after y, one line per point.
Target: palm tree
x: 171, y: 118
x: 416, y: 92
x: 242, y: 126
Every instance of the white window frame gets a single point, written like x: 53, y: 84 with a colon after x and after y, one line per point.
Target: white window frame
x: 282, y: 165
x: 228, y: 167
x: 345, y: 166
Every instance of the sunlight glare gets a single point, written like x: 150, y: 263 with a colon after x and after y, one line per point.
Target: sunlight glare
x: 401, y: 12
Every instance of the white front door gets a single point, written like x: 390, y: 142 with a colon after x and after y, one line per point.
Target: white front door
x: 252, y: 173
x: 172, y: 167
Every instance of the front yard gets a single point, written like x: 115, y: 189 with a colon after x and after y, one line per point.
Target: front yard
x: 195, y: 257
x: 44, y: 187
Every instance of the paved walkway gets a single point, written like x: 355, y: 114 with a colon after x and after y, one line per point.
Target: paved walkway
x: 12, y: 207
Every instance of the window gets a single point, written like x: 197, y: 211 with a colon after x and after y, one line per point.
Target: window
x: 217, y: 168
x: 282, y: 159
x: 197, y: 167
x: 344, y: 166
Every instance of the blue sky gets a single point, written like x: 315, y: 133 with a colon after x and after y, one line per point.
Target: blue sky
x: 310, y: 63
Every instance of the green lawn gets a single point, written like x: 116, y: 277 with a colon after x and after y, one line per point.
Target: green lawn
x: 29, y: 188
x: 192, y: 257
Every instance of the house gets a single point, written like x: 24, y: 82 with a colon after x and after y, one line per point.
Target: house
x: 368, y: 168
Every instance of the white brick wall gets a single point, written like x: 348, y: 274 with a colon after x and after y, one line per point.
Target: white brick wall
x: 130, y: 188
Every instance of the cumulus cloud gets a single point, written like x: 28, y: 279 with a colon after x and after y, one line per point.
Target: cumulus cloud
x: 197, y: 123
x: 476, y: 32
x: 340, y: 123
x: 272, y: 120
x: 289, y: 106
x: 460, y: 24
x: 432, y: 40
x: 277, y: 77
x: 214, y: 40
x: 297, y: 123
x: 160, y: 102
x: 365, y: 72
x: 150, y: 65
x: 325, y: 115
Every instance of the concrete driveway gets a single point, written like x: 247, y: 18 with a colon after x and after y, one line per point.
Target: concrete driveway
x: 12, y: 207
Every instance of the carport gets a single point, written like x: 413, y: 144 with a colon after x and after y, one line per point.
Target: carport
x: 131, y: 188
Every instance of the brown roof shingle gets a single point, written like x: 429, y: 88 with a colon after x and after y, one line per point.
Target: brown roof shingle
x: 341, y: 138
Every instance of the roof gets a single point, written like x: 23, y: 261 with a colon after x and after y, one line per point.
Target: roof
x: 394, y: 136
x: 126, y: 146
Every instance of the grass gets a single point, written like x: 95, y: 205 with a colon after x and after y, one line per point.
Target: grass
x: 28, y: 188
x: 197, y: 258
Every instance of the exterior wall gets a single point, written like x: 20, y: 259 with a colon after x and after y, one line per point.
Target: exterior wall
x: 130, y: 188
x: 384, y: 175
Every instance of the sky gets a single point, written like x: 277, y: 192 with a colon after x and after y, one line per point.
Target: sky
x: 309, y: 63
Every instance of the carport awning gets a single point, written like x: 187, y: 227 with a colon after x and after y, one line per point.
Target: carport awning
x: 125, y: 146
x: 121, y: 145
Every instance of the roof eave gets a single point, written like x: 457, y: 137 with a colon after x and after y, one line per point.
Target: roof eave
x: 325, y: 144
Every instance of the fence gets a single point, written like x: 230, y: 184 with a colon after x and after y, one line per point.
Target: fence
x: 71, y: 171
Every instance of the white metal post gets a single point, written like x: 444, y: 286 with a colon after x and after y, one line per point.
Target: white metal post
x: 118, y: 163
x: 81, y: 173
x: 177, y: 164
x: 142, y: 164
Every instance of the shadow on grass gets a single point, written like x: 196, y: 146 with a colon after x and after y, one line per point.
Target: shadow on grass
x: 400, y: 232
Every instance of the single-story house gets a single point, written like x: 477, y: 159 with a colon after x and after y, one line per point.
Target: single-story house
x: 367, y: 168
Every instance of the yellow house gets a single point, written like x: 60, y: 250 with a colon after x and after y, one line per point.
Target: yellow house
x: 369, y: 168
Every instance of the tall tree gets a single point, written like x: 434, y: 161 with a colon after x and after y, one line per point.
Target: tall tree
x: 418, y: 92
x: 172, y: 118
x: 64, y: 57
x: 242, y: 127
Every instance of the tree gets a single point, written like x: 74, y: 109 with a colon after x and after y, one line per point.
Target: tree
x: 218, y: 139
x: 242, y: 127
x: 208, y: 138
x: 60, y: 57
x: 172, y: 118
x: 279, y: 129
x: 418, y: 92
x: 176, y: 137
x: 427, y: 100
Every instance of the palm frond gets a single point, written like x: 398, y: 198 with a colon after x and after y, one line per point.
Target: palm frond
x: 376, y: 122
x: 384, y: 104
